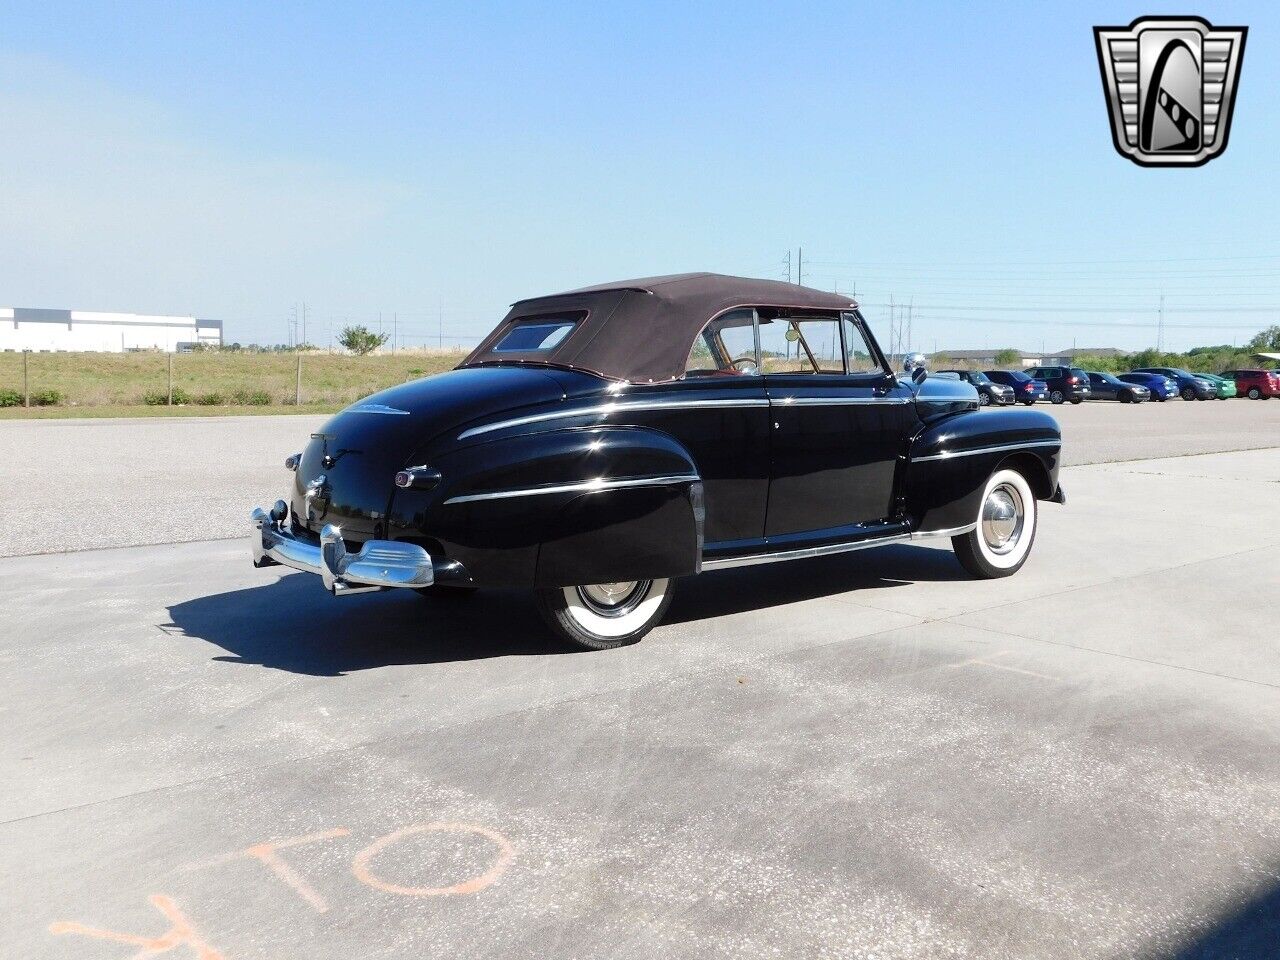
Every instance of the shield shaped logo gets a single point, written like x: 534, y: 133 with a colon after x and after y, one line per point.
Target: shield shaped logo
x: 1170, y: 84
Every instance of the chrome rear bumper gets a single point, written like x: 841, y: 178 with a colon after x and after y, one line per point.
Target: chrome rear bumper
x: 378, y: 564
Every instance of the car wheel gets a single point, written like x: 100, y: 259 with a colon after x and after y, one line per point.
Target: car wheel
x: 1188, y: 393
x: 1057, y: 396
x: 999, y: 544
x: 1030, y: 402
x: 1076, y: 400
x: 1124, y: 396
x: 602, y: 616
x: 1255, y: 393
x: 984, y: 400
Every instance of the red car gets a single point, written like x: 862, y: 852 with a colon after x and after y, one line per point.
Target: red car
x: 1255, y: 384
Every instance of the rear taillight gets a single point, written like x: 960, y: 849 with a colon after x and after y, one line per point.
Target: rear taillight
x: 1073, y: 379
x: 1029, y: 387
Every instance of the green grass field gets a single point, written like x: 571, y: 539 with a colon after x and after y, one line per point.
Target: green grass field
x: 118, y: 384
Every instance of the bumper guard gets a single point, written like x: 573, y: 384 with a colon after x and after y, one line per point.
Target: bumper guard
x: 378, y: 564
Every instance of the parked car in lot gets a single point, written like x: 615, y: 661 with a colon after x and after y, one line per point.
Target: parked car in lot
x: 1064, y: 383
x: 1161, y: 387
x: 1225, y: 387
x: 1255, y: 384
x: 1025, y: 389
x: 601, y: 443
x: 989, y: 392
x: 1106, y: 386
x: 1190, y: 387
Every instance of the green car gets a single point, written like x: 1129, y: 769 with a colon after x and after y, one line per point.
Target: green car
x: 1226, y: 385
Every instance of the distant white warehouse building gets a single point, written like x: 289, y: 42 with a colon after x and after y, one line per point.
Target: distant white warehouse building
x: 26, y: 328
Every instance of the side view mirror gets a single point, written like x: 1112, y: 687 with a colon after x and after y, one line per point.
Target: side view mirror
x: 916, y: 365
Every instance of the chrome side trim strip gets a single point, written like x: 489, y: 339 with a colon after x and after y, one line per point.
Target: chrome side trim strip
x: 840, y: 401
x: 582, y: 486
x: 949, y: 532
x: 606, y: 408
x: 804, y: 553
x: 1000, y: 448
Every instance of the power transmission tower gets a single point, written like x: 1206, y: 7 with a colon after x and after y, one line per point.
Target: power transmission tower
x: 788, y: 263
x: 800, y: 266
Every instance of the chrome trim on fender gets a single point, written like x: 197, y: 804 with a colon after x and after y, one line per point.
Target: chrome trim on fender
x: 581, y: 486
x: 377, y: 408
x: 606, y: 408
x: 949, y: 532
x: 378, y: 564
x: 1000, y: 448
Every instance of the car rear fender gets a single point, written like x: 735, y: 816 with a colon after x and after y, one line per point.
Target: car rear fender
x: 950, y: 462
x: 563, y: 507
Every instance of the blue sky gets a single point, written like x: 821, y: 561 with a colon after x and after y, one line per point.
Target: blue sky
x: 428, y: 161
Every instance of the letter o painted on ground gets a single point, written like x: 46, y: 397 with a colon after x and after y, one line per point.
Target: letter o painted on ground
x: 360, y: 865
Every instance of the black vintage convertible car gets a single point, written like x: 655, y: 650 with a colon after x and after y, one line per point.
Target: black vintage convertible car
x: 601, y: 443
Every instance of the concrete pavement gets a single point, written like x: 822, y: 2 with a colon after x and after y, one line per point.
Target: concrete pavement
x: 867, y: 755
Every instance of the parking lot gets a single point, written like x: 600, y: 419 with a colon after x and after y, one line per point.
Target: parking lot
x: 865, y: 755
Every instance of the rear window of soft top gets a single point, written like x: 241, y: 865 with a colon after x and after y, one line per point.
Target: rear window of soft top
x: 538, y: 334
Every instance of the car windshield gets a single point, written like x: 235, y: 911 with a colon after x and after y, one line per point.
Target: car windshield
x: 1179, y: 373
x: 1018, y: 375
x: 1107, y: 378
x: 977, y: 376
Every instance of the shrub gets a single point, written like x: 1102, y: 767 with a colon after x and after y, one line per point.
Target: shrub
x: 46, y: 398
x: 10, y: 398
x: 251, y: 398
x: 160, y: 398
x: 211, y: 400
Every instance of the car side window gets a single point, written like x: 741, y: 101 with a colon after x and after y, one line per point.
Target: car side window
x: 726, y: 346
x: 861, y: 357
x: 801, y: 344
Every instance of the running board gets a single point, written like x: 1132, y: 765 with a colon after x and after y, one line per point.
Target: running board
x: 827, y: 549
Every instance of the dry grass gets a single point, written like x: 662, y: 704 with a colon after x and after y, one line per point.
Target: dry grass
x: 92, y: 381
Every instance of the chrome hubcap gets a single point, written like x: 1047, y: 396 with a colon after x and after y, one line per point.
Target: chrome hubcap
x: 614, y: 599
x: 1003, y: 515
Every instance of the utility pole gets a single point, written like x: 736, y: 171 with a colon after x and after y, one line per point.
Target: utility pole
x: 788, y: 261
x: 800, y: 266
x: 1160, y: 326
x: 304, y: 323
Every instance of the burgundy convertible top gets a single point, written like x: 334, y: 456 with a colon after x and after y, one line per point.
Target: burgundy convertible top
x: 642, y: 330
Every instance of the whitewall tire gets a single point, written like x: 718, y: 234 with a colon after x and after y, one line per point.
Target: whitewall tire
x: 605, y: 615
x: 1001, y: 541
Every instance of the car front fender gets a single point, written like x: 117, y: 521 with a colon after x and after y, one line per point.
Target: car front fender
x: 950, y: 462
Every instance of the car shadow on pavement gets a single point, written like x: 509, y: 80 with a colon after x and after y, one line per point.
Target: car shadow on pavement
x: 1250, y: 932
x: 718, y: 593
x: 292, y: 624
